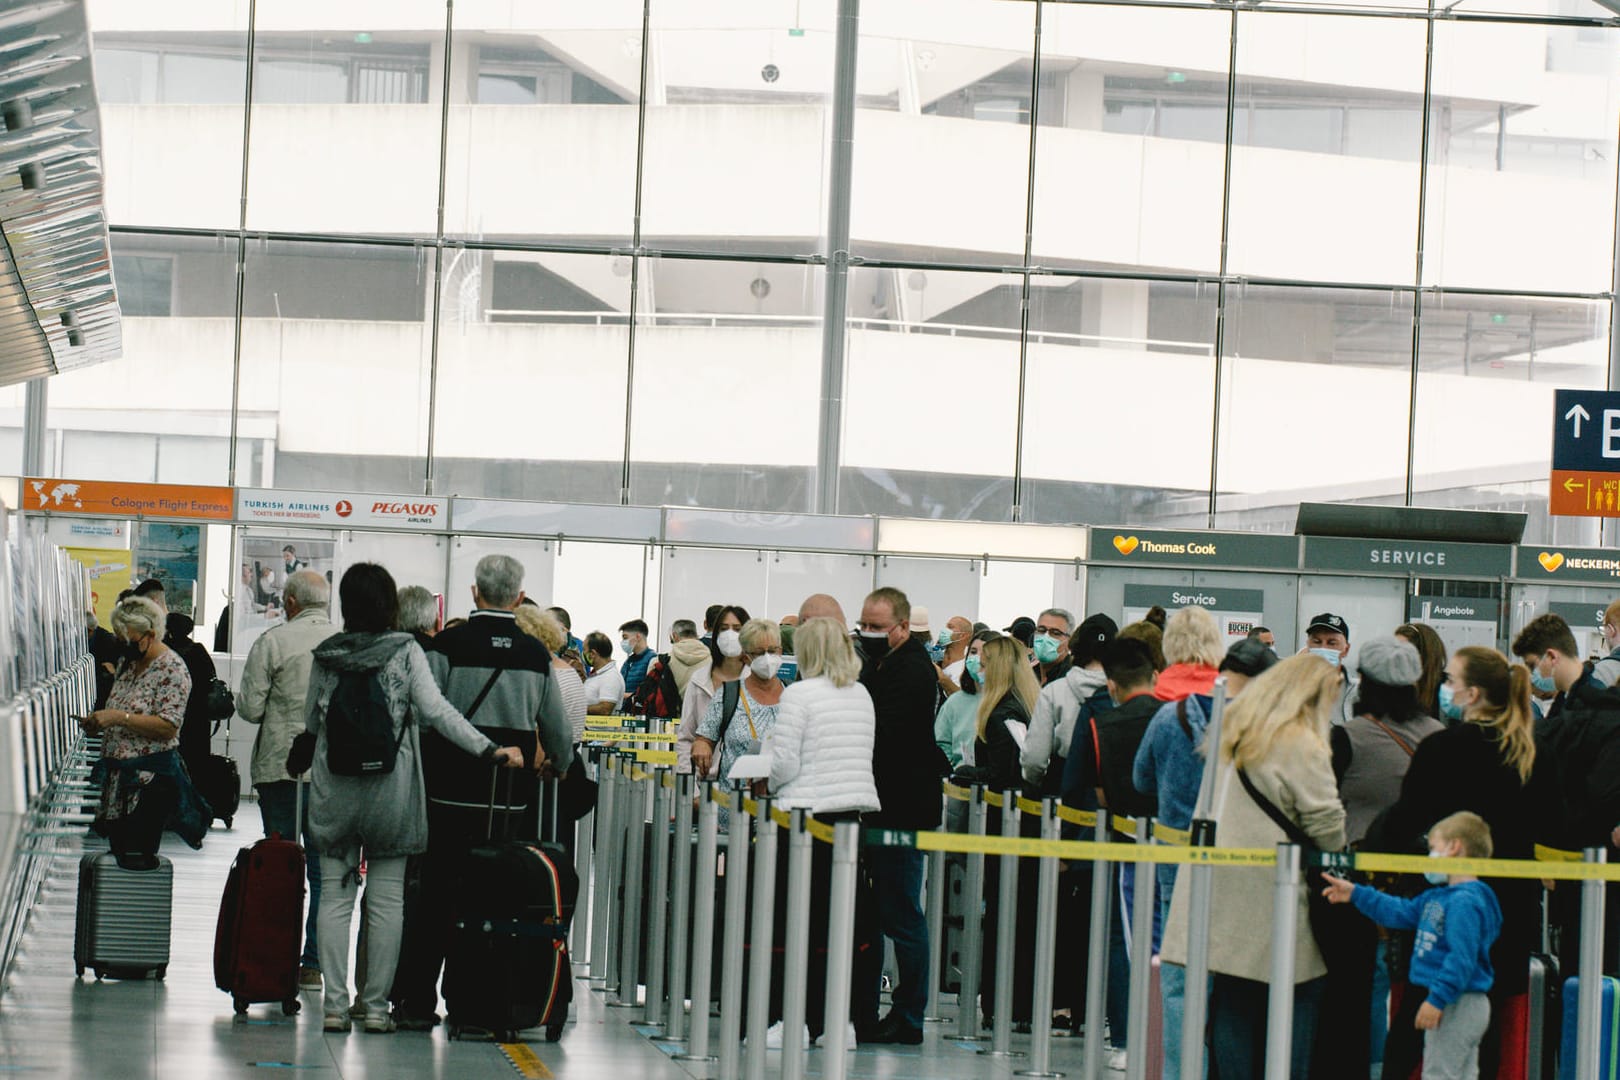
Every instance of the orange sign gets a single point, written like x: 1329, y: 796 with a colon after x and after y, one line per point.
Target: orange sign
x: 110, y: 498
x: 1581, y: 493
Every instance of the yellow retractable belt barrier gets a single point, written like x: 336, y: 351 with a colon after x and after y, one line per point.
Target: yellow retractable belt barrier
x: 1552, y: 854
x: 655, y: 757
x: 591, y: 735
x: 960, y: 794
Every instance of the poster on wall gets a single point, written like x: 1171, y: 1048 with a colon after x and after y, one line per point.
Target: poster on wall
x: 265, y: 564
x: 173, y: 555
x: 1236, y: 611
x: 109, y: 575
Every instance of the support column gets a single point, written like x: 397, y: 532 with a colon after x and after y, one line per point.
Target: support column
x: 34, y: 403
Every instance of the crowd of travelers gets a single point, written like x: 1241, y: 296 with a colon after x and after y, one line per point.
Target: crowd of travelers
x: 1409, y: 751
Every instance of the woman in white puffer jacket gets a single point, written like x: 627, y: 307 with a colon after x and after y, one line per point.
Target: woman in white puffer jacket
x: 821, y: 761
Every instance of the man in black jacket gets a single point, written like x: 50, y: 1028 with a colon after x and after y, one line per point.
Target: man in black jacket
x: 906, y: 765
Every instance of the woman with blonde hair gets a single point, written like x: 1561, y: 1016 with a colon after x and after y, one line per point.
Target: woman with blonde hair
x: 1193, y: 651
x: 544, y: 628
x: 1483, y: 764
x: 1275, y: 738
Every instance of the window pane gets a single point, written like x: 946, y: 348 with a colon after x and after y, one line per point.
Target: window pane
x: 145, y: 284
x: 736, y: 151
x: 1487, y: 369
x: 1521, y: 190
x: 930, y: 394
x: 1102, y: 341
x: 346, y: 121
x: 11, y: 430
x: 944, y: 172
x: 1315, y: 385
x: 172, y: 82
x: 550, y: 345
x: 722, y: 349
x: 1128, y: 166
x: 335, y: 362
x: 1311, y: 198
x: 547, y: 148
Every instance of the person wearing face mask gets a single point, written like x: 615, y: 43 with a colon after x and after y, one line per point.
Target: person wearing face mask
x: 637, y: 656
x: 725, y: 664
x: 144, y: 785
x: 1432, y: 650
x: 1486, y: 764
x: 1457, y: 922
x: 1051, y: 645
x: 604, y: 688
x: 953, y: 649
x: 1051, y: 730
x: 907, y: 767
x: 1328, y: 636
x: 1607, y: 670
x: 957, y: 719
x: 752, y: 706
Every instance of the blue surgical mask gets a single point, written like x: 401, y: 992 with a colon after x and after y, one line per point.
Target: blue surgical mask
x: 1436, y: 877
x: 1449, y: 709
x: 1046, y: 648
x: 1330, y: 655
x: 945, y: 639
x: 624, y: 643
x: 936, y: 653
x: 973, y: 667
x: 1543, y: 683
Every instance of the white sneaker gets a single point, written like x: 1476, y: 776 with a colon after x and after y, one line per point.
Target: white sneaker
x: 773, y: 1037
x: 1116, y: 1060
x: 849, y: 1039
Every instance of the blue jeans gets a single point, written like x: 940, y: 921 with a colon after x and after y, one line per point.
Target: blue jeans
x: 1117, y: 1002
x: 276, y: 803
x: 1237, y: 1026
x: 897, y: 879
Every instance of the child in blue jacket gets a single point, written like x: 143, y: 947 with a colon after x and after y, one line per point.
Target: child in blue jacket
x: 1456, y: 926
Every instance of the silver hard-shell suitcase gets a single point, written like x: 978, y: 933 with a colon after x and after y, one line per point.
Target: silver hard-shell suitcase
x: 123, y: 919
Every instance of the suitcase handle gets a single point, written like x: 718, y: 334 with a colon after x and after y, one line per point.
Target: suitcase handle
x: 506, y: 823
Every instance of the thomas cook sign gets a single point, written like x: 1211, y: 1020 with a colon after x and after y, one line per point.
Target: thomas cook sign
x: 1165, y: 548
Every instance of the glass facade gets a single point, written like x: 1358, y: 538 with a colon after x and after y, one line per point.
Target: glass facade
x: 1115, y: 263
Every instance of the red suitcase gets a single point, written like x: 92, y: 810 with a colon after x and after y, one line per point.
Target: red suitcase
x: 259, y: 937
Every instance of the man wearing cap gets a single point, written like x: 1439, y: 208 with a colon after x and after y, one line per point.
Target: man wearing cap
x: 1328, y: 636
x: 1046, y: 745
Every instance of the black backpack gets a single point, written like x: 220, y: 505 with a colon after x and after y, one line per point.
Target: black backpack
x: 360, y: 739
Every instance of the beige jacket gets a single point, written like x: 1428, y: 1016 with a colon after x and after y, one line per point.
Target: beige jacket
x: 275, y: 684
x: 1298, y: 778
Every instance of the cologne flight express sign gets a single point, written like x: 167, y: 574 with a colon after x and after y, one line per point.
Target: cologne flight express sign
x: 341, y: 510
x: 1585, y: 478
x: 1418, y: 557
x: 1165, y: 548
x: 1599, y: 566
x: 110, y: 498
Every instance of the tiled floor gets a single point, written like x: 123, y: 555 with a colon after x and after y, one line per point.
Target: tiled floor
x: 184, y: 1028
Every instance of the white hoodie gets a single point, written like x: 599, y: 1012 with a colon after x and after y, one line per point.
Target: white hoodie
x: 1055, y: 713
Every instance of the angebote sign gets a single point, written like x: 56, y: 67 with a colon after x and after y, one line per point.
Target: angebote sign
x: 341, y: 510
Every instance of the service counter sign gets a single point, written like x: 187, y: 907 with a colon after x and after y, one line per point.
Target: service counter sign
x: 1579, y: 616
x: 1264, y: 551
x: 1571, y: 566
x: 341, y: 510
x: 1407, y: 557
x: 1236, y: 611
x: 111, y: 499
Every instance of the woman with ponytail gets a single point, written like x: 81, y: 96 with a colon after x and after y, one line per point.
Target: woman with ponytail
x: 1483, y: 764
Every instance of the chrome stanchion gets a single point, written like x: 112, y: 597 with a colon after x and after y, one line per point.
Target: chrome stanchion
x: 936, y: 935
x: 1141, y: 990
x: 796, y: 948
x: 1284, y: 924
x: 1102, y: 895
x: 1006, y: 935
x: 1200, y: 878
x: 605, y: 859
x: 584, y: 910
x: 1588, y: 1032
x: 658, y: 901
x: 967, y: 997
x: 840, y: 948
x: 759, y: 961
x: 680, y: 911
x: 731, y: 957
x: 705, y: 879
x: 1040, y: 1041
x: 635, y: 820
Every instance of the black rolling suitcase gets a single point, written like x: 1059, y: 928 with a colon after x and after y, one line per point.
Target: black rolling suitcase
x: 508, y: 967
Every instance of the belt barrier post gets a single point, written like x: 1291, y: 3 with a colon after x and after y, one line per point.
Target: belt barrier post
x: 1102, y: 897
x: 796, y: 947
x: 731, y: 957
x: 759, y: 961
x: 1201, y: 887
x: 584, y: 842
x: 658, y: 933
x: 1141, y: 988
x: 967, y: 995
x: 1006, y: 934
x: 635, y: 826
x: 936, y: 934
x: 840, y: 948
x: 606, y: 844
x: 1284, y: 927
x: 1588, y: 1031
x: 1040, y: 1042
x: 680, y: 910
x: 705, y: 879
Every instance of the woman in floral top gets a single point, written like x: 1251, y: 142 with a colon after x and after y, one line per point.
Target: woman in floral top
x: 141, y: 721
x: 761, y: 695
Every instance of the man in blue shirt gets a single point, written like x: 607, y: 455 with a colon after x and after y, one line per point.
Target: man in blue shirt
x: 637, y: 656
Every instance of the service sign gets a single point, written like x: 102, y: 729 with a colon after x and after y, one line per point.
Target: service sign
x: 1415, y: 557
x: 1257, y: 550
x: 341, y: 510
x: 113, y: 499
x: 1599, y: 566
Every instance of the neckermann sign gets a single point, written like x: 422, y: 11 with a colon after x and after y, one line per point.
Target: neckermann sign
x: 341, y: 510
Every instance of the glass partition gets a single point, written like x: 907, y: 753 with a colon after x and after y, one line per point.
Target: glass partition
x: 948, y: 587
x: 694, y: 578
x: 465, y: 551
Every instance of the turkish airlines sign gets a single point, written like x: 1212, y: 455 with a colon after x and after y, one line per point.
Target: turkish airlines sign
x: 343, y: 510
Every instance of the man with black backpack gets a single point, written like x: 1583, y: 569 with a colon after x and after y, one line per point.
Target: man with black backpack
x: 500, y: 679
x: 662, y: 691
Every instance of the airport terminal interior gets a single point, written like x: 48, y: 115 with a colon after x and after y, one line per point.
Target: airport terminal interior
x: 1283, y: 322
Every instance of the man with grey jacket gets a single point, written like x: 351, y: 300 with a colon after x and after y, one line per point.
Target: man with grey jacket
x: 275, y: 682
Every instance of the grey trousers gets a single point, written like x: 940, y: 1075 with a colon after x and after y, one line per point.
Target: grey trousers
x: 1451, y: 1051
x: 385, y: 919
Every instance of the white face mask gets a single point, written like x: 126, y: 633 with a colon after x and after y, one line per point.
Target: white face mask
x: 730, y: 643
x: 765, y: 667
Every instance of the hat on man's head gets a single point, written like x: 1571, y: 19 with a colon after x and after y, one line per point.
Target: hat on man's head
x: 919, y: 619
x: 1251, y: 656
x: 1331, y: 622
x: 1090, y: 637
x: 1391, y: 661
x: 1022, y: 628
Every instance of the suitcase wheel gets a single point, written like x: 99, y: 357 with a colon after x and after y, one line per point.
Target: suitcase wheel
x: 228, y: 819
x: 454, y: 1032
x: 98, y: 974
x: 554, y: 1031
x: 240, y: 1006
x: 80, y: 969
x: 290, y: 1007
x: 508, y: 1036
x: 162, y: 972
